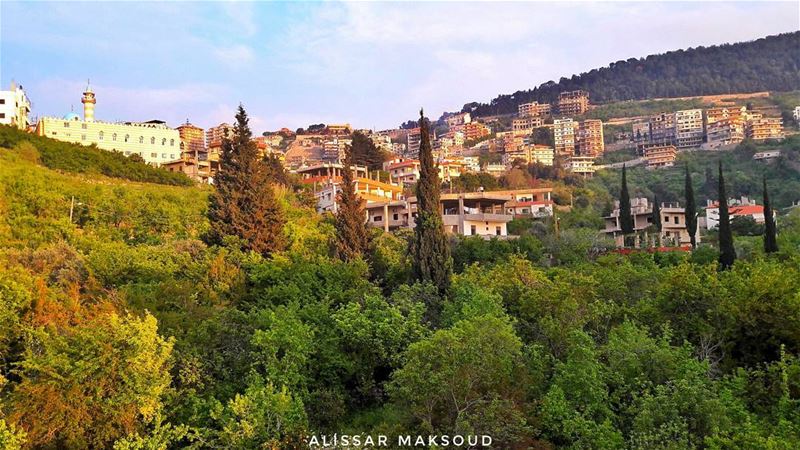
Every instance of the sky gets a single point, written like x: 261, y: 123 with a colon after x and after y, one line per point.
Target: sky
x: 370, y: 64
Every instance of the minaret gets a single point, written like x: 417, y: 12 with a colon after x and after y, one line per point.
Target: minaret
x: 88, y: 101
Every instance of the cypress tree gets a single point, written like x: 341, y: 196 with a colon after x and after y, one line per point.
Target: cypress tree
x: 432, y: 261
x: 770, y: 234
x: 244, y: 203
x: 625, y: 216
x: 352, y: 236
x: 727, y: 253
x: 690, y: 211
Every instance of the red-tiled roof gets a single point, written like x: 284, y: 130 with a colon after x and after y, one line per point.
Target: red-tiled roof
x: 746, y: 210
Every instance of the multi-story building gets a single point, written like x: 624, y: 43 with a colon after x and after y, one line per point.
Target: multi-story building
x: 763, y: 128
x: 662, y: 129
x: 564, y: 136
x: 573, y: 103
x: 725, y: 126
x: 193, y: 141
x: 590, y: 138
x: 339, y: 129
x: 640, y: 132
x: 767, y: 155
x: 15, y: 107
x: 530, y: 154
x: 673, y: 223
x: 689, y: 128
x: 333, y: 149
x: 153, y: 141
x: 657, y: 155
x: 405, y: 172
x: 526, y: 125
x: 215, y: 135
x: 457, y: 120
x: 535, y: 109
x: 476, y: 130
x: 580, y: 165
x: 796, y: 114
x: 414, y: 140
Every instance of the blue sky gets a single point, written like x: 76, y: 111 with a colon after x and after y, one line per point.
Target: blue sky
x: 371, y: 64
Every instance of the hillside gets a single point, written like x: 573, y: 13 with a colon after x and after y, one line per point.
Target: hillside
x: 768, y: 64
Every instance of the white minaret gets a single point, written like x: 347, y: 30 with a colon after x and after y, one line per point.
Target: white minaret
x: 88, y: 101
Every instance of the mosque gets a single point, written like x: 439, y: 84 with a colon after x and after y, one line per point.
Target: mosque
x: 154, y: 141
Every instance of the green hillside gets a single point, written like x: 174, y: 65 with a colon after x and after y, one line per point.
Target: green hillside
x: 768, y: 64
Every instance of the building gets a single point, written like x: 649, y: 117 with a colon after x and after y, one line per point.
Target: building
x: 534, y: 109
x: 573, y: 103
x: 741, y: 207
x: 590, y: 138
x: 193, y: 141
x: 763, y: 128
x: 15, y: 107
x: 343, y: 129
x: 457, y: 120
x: 797, y: 114
x: 725, y: 126
x: 689, y: 129
x: 673, y: 223
x: 333, y: 149
x: 640, y: 132
x: 657, y: 155
x: 765, y: 156
x: 215, y: 135
x: 153, y: 141
x: 414, y: 140
x: 526, y: 125
x: 530, y: 154
x: 405, y: 172
x: 475, y: 130
x: 580, y: 165
x: 662, y: 129
x: 564, y: 136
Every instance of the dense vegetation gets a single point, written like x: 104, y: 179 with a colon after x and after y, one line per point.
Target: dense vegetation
x: 767, y: 64
x: 90, y: 160
x: 122, y: 329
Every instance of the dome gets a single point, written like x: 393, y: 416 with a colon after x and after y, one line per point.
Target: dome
x: 72, y: 116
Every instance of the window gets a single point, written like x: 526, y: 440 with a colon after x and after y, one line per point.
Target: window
x: 54, y: 133
x: 100, y: 135
x: 677, y: 219
x: 154, y: 155
x: 498, y: 230
x: 172, y: 142
x: 153, y: 140
x: 666, y: 219
x: 114, y: 137
x: 377, y: 218
x: 172, y: 156
x: 2, y: 115
x: 141, y: 139
x: 66, y: 124
x: 164, y: 141
x: 127, y: 137
x: 83, y: 126
x: 473, y: 229
x: 395, y: 216
x: 2, y: 101
x: 83, y: 137
x: 164, y: 156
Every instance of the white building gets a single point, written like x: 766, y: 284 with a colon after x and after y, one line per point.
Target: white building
x: 797, y: 114
x: 15, y: 107
x: 154, y: 141
x: 689, y: 128
x: 736, y: 208
x: 564, y: 136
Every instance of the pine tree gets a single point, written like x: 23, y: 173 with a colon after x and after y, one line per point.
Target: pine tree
x: 656, y: 213
x: 244, y: 204
x: 352, y: 236
x: 770, y: 234
x: 432, y: 261
x: 727, y: 253
x: 366, y: 153
x: 691, y: 209
x: 625, y: 216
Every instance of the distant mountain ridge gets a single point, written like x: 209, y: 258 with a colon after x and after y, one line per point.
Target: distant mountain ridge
x: 767, y: 64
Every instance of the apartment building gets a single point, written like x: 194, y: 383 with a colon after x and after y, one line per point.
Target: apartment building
x: 673, y: 222
x: 737, y: 207
x: 457, y: 120
x: 405, y: 172
x: 564, y: 136
x: 526, y: 125
x: 763, y: 128
x: 590, y: 138
x: 581, y: 165
x: 534, y: 109
x: 689, y: 129
x: 414, y: 140
x: 796, y: 114
x: 725, y: 126
x: 662, y: 129
x: 573, y: 103
x: 640, y: 132
x: 215, y: 135
x: 475, y: 130
x: 15, y: 107
x: 334, y: 149
x: 658, y: 156
x: 530, y: 154
x: 338, y: 129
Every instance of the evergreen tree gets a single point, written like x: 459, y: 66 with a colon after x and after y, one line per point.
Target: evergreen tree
x: 432, y: 261
x: 352, y: 236
x: 244, y: 204
x: 625, y: 216
x: 691, y: 209
x: 727, y: 253
x: 656, y: 213
x: 770, y: 237
x: 366, y: 153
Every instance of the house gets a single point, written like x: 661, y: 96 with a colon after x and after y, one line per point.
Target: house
x: 673, y: 222
x: 658, y: 155
x: 741, y: 207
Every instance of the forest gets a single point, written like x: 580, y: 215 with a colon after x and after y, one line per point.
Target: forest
x: 767, y: 64
x: 160, y: 316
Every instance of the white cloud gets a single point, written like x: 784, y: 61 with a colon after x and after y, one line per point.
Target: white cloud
x: 236, y: 56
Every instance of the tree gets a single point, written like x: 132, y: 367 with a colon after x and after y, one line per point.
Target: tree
x: 770, y: 238
x: 656, y: 213
x: 691, y: 209
x: 352, y: 236
x: 625, y: 216
x: 727, y: 254
x: 244, y: 203
x: 366, y: 153
x: 432, y: 261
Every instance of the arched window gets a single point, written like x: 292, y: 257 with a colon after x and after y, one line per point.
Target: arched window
x: 153, y: 140
x: 172, y: 142
x: 127, y: 137
x: 141, y: 139
x: 100, y: 135
x: 114, y: 137
x: 164, y: 141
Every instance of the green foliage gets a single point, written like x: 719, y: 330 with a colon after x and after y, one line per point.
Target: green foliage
x: 90, y: 160
x: 727, y: 253
x: 352, y: 235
